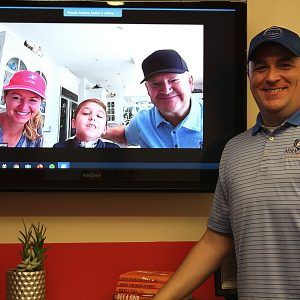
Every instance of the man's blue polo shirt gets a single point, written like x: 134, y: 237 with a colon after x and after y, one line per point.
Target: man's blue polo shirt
x: 150, y: 130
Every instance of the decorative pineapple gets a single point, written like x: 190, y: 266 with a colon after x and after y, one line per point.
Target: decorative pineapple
x: 27, y: 280
x: 33, y: 252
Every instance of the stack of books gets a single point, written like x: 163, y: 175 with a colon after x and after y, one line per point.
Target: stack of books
x: 140, y: 284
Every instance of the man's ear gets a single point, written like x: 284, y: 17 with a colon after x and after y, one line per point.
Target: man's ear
x: 191, y: 82
x: 146, y: 85
x: 73, y: 123
x: 247, y: 71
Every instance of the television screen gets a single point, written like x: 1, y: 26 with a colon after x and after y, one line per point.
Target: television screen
x: 91, y: 50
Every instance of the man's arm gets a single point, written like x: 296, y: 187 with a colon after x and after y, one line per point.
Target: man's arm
x: 205, y: 257
x: 116, y: 134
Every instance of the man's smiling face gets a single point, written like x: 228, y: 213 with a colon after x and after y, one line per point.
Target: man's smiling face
x: 171, y: 92
x: 274, y: 74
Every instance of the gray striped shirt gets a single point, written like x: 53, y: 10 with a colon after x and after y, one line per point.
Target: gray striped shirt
x: 257, y: 199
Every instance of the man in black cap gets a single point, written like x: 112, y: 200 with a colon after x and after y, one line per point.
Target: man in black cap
x: 175, y: 121
x: 256, y: 206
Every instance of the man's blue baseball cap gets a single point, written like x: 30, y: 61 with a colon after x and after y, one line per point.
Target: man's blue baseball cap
x: 163, y: 61
x: 278, y: 35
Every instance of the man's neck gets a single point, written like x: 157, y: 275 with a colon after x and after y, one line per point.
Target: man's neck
x: 177, y: 117
x: 275, y: 119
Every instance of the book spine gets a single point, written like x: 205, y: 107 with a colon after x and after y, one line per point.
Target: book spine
x: 136, y: 284
x: 138, y: 291
x: 122, y: 296
x: 153, y: 278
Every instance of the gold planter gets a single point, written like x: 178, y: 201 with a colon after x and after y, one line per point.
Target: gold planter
x: 25, y: 285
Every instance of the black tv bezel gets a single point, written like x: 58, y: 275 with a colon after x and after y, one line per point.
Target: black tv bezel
x: 132, y: 179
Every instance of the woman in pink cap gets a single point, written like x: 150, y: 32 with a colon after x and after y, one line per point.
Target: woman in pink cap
x: 21, y: 123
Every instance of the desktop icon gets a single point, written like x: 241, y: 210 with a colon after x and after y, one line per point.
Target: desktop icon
x: 63, y: 165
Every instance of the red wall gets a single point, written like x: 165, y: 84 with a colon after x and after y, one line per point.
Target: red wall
x: 89, y: 271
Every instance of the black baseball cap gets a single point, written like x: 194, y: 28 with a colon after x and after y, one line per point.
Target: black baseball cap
x: 163, y: 61
x: 279, y: 35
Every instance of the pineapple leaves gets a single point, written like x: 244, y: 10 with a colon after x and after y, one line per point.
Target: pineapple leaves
x: 33, y: 250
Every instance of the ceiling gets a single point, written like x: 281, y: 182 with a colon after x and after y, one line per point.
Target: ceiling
x: 110, y: 55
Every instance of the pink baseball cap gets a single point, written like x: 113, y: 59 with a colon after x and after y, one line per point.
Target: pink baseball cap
x: 27, y: 80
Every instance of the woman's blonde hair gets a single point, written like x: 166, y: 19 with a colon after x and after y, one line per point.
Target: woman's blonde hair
x: 32, y: 126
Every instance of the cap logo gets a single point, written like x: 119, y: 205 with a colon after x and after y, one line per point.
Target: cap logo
x: 32, y: 78
x: 273, y: 33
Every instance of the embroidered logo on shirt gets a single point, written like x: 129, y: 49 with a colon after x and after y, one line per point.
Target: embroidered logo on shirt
x: 293, y: 152
x: 297, y: 144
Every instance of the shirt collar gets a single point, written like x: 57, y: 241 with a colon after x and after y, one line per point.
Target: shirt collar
x: 293, y: 120
x: 258, y: 126
x: 85, y: 144
x: 158, y: 117
x: 193, y: 120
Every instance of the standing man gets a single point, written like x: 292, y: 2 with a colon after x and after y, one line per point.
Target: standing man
x: 256, y: 205
x: 175, y: 121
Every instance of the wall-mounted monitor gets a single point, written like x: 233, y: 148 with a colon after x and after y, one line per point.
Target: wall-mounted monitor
x: 93, y: 50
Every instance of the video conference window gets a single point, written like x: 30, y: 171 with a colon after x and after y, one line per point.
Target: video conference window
x: 103, y: 61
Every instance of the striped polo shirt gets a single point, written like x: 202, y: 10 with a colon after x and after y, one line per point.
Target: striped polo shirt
x: 257, y: 199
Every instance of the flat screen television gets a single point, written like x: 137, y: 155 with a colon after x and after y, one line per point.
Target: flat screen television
x: 95, y: 50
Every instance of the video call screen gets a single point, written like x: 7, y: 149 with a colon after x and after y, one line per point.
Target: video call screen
x: 96, y: 51
x: 95, y: 60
